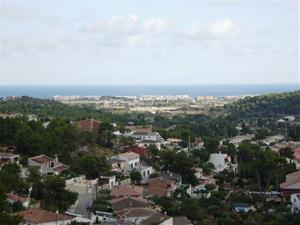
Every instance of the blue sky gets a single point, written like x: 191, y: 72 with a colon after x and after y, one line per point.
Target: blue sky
x: 149, y: 42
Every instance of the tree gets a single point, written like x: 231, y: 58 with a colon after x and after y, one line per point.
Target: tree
x: 192, y: 210
x: 287, y: 152
x: 55, y: 196
x: 210, y: 187
x: 211, y: 143
x: 34, y: 175
x: 91, y: 166
x: 5, y: 218
x: 10, y: 178
x: 135, y: 176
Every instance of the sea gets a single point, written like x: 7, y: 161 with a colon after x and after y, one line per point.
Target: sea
x: 193, y: 90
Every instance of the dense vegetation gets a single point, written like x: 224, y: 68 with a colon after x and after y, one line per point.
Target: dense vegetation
x: 267, y: 105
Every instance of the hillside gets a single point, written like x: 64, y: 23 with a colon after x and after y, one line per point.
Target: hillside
x: 267, y: 105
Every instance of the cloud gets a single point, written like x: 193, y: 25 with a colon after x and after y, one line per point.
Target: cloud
x: 219, y: 29
x: 37, y: 43
x: 116, y: 24
x: 156, y: 25
x: 131, y: 30
x: 17, y: 14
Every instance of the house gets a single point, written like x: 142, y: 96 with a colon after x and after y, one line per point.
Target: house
x: 107, y: 182
x: 295, y: 200
x: 131, y: 159
x: 37, y: 216
x: 243, y: 207
x: 148, y: 143
x: 7, y: 157
x: 181, y: 220
x: 173, y: 141
x: 220, y: 161
x: 139, y: 128
x: 273, y: 139
x: 81, y: 185
x: 164, y: 185
x: 158, y: 219
x: 201, y: 178
x: 47, y: 165
x: 153, y: 136
x: 291, y: 184
x: 127, y: 202
x: 126, y: 191
x: 116, y: 164
x: 115, y: 223
x: 89, y: 125
x: 145, y: 171
x: 136, y: 149
x: 237, y: 140
x: 136, y: 215
x: 13, y: 198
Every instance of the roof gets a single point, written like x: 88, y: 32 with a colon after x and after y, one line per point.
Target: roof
x: 42, y: 159
x: 128, y: 155
x: 155, y: 218
x: 115, y: 223
x: 242, y: 205
x: 136, y: 212
x: 297, y: 154
x: 16, y: 198
x: 8, y: 155
x: 37, y: 215
x: 127, y: 190
x: 128, y: 202
x: 292, y: 181
x: 90, y: 125
x: 139, y: 133
x: 114, y: 160
x: 181, y: 220
x: 139, y: 150
x: 168, y: 177
x: 61, y: 167
x: 148, y: 141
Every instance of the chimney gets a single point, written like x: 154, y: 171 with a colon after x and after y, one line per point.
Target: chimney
x: 56, y: 158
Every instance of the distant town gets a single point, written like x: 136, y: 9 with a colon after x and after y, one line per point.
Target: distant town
x: 174, y: 104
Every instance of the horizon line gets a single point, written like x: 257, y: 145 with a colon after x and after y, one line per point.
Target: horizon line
x: 161, y: 84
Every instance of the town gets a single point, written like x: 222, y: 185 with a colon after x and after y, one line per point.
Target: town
x: 174, y: 104
x: 61, y: 170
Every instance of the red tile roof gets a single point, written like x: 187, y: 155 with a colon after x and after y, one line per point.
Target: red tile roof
x: 141, y: 151
x: 90, y: 125
x: 61, y: 167
x: 37, y: 215
x: 127, y: 190
x: 16, y: 198
x: 42, y: 159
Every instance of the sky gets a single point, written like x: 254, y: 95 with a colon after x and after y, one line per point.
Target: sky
x: 149, y: 42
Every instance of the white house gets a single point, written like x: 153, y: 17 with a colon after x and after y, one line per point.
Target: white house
x: 147, y: 143
x: 6, y: 157
x: 295, y: 200
x: 47, y: 165
x: 220, y: 161
x: 132, y: 160
x: 146, y: 171
x: 152, y: 136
